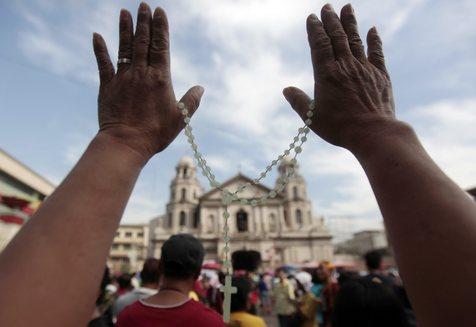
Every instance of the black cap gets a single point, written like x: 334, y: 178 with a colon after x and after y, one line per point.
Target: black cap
x: 182, y: 256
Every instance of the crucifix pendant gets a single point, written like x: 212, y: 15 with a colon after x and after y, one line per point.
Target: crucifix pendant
x: 227, y: 290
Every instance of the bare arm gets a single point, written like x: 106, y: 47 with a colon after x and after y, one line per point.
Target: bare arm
x: 431, y: 222
x: 51, y: 270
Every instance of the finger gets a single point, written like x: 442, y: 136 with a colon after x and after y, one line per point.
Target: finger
x: 126, y: 35
x: 159, y: 47
x: 298, y: 100
x: 142, y: 36
x: 322, y: 53
x: 192, y: 98
x: 105, y: 67
x: 349, y: 22
x: 336, y: 32
x: 374, y: 49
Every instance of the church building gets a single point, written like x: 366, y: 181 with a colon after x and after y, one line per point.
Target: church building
x: 283, y: 229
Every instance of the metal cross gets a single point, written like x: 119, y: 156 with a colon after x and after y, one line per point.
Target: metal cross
x: 227, y: 290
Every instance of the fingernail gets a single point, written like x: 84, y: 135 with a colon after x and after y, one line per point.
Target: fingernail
x: 328, y: 7
x: 200, y: 89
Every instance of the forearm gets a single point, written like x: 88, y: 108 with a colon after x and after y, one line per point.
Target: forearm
x: 431, y: 223
x: 60, y: 253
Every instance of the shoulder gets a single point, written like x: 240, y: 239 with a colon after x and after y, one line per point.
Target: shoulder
x: 206, y: 316
x: 126, y: 316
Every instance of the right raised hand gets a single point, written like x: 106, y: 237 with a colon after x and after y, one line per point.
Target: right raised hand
x: 353, y: 92
x: 137, y: 105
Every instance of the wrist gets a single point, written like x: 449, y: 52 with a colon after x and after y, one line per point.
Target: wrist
x: 383, y: 136
x: 129, y: 156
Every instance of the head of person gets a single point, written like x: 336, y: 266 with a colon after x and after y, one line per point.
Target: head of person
x: 240, y: 299
x: 181, y: 259
x: 323, y: 273
x: 150, y: 273
x: 281, y: 273
x: 365, y: 302
x: 373, y: 260
x: 205, y: 281
x: 124, y: 281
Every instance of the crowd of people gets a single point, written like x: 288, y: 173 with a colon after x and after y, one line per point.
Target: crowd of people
x: 431, y: 221
x: 312, y: 297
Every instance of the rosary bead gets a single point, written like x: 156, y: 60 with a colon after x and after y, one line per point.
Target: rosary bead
x: 310, y: 113
x: 312, y: 105
x: 308, y: 122
x: 306, y: 130
x: 186, y: 120
x: 263, y: 175
x: 301, y: 130
x: 286, y: 152
x: 298, y: 149
x: 274, y: 162
x: 303, y: 139
x: 184, y: 112
x: 181, y: 105
x: 296, y: 139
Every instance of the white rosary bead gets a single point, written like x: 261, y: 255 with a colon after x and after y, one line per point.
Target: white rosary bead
x: 186, y: 120
x: 184, y: 112
x: 310, y: 113
x: 291, y: 145
x: 308, y: 122
x: 298, y: 149
x: 296, y: 139
x: 303, y: 139
x: 181, y: 105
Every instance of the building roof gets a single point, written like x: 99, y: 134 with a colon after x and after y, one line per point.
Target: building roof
x: 234, y: 179
x: 24, y: 174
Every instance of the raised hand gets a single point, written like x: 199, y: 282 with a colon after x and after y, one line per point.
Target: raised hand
x: 137, y: 105
x: 353, y: 91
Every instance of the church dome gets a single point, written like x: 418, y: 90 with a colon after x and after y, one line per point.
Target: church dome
x: 186, y: 161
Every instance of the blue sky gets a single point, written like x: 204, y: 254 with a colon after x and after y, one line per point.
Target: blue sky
x: 243, y: 53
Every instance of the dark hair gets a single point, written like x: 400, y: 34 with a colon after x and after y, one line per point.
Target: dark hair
x: 367, y: 303
x: 346, y: 276
x: 373, y: 259
x: 248, y: 260
x: 150, y: 271
x: 106, y: 280
x: 239, y: 300
x: 182, y: 257
x: 124, y: 280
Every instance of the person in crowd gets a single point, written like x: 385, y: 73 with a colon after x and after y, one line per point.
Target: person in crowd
x: 180, y: 266
x: 368, y: 302
x: 102, y: 315
x: 214, y: 298
x: 263, y: 289
x: 316, y: 289
x: 240, y: 305
x: 283, y: 299
x: 149, y: 277
x: 429, y: 219
x: 374, y: 262
x: 329, y: 292
x: 308, y: 303
x: 124, y: 284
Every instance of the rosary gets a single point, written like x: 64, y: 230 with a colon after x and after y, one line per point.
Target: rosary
x: 228, y: 197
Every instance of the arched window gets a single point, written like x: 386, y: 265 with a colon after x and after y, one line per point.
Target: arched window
x: 295, y: 192
x: 184, y: 194
x: 242, y: 221
x: 185, y: 172
x: 299, y: 217
x: 196, y: 218
x: 183, y: 218
x: 273, y: 226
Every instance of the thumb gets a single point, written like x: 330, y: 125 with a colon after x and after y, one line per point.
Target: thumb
x: 192, y: 98
x: 298, y: 100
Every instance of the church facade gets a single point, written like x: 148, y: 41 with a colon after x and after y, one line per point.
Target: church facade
x: 283, y: 229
